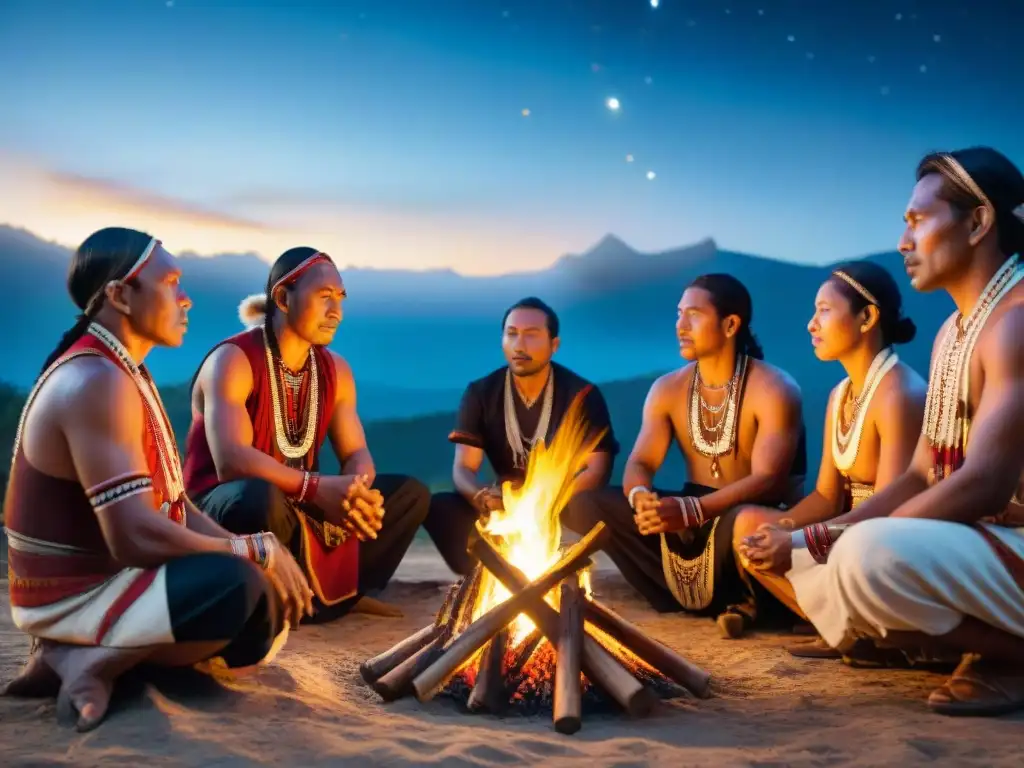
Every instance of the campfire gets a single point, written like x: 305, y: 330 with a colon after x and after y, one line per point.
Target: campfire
x: 523, y: 630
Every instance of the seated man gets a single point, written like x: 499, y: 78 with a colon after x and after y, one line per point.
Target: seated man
x: 737, y: 421
x: 873, y: 418
x: 263, y: 402
x: 110, y: 565
x: 502, y: 416
x: 939, y: 560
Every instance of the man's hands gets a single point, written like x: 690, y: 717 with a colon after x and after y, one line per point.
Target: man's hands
x: 488, y: 500
x: 654, y: 515
x: 286, y: 575
x: 769, y: 549
x: 349, y: 502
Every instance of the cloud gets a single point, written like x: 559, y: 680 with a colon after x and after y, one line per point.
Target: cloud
x: 124, y: 196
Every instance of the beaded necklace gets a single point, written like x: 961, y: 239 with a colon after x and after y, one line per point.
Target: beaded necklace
x: 846, y: 444
x: 946, y: 415
x: 723, y: 431
x: 290, y: 447
x: 513, y: 434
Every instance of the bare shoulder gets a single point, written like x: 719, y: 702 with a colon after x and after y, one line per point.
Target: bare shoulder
x: 226, y: 373
x: 668, y: 387
x: 1001, y: 344
x: 769, y: 384
x: 344, y: 378
x: 341, y: 366
x: 91, y: 389
x: 901, y: 389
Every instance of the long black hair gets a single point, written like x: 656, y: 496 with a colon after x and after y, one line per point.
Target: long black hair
x: 106, y: 255
x: 730, y: 297
x: 876, y: 280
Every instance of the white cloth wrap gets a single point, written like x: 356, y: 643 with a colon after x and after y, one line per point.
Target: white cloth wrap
x: 899, y: 574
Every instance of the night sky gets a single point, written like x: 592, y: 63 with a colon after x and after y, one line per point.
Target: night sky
x: 450, y: 133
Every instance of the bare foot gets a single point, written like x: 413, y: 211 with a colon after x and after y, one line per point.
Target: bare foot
x: 37, y: 680
x: 87, y: 677
x: 373, y: 607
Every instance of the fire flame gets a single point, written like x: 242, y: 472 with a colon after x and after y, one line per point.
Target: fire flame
x: 527, y: 531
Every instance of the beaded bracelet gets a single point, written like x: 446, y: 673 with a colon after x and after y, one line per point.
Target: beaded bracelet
x: 257, y: 547
x: 691, y: 510
x: 310, y: 484
x: 819, y: 541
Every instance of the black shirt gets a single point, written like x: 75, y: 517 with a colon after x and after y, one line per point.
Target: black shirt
x: 481, y: 419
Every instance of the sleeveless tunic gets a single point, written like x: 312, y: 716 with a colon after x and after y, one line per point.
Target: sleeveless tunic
x: 330, y: 557
x: 64, y: 583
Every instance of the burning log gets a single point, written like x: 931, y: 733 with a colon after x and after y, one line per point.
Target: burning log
x: 396, y: 682
x: 597, y: 664
x: 514, y: 676
x: 462, y: 648
x: 568, y: 708
x: 489, y: 692
x: 658, y: 655
x: 371, y: 671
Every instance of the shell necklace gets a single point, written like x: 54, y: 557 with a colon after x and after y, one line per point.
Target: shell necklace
x: 289, y: 449
x: 723, y: 431
x: 845, y: 444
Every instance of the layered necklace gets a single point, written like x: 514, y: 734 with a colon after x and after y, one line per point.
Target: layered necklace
x: 846, y: 442
x: 520, y: 445
x: 946, y: 417
x: 294, y: 425
x: 156, y: 417
x: 713, y: 427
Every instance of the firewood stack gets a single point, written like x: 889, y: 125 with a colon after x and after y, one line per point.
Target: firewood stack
x: 426, y: 662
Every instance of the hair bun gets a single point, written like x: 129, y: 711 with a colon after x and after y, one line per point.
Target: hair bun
x: 903, y: 331
x: 253, y: 310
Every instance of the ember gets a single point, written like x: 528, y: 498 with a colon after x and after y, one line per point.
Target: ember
x: 523, y: 632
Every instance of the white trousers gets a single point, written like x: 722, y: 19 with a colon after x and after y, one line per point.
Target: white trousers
x: 899, y: 574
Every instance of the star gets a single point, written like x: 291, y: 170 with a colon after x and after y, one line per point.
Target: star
x: 937, y: 38
x: 526, y: 112
x: 760, y: 11
x: 505, y: 14
x: 613, y: 104
x: 899, y: 17
x: 651, y: 175
x: 655, y: 3
x: 792, y: 38
x: 629, y: 158
x: 923, y: 68
x: 170, y: 3
x: 648, y: 80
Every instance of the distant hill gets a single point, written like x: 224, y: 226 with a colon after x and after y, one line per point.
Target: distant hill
x: 415, y: 339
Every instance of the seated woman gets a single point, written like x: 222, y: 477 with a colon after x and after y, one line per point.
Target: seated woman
x: 873, y: 418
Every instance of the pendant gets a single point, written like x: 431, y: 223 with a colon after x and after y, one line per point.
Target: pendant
x: 716, y: 468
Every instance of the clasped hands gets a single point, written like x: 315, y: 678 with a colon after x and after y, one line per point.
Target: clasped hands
x: 769, y: 548
x: 653, y: 514
x: 349, y: 502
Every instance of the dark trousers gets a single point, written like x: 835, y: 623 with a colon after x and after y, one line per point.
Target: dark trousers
x: 451, y: 523
x: 252, y: 505
x: 223, y: 597
x: 639, y: 557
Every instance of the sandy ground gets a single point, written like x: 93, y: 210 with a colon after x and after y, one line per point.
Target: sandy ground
x: 310, y: 707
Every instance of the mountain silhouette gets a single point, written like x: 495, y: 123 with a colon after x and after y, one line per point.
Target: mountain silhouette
x: 415, y: 339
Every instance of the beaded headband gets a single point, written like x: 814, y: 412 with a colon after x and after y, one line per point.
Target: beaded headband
x: 857, y: 287
x: 293, y: 274
x: 956, y: 173
x: 140, y: 262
